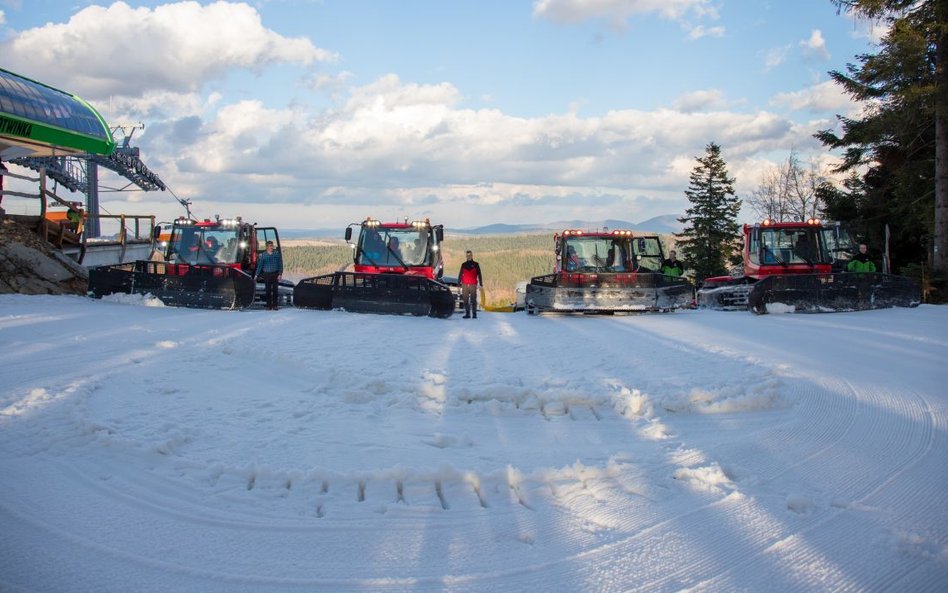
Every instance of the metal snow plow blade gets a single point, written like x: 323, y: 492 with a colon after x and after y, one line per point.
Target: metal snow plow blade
x: 729, y: 297
x: 177, y: 285
x: 829, y: 293
x: 394, y: 294
x: 603, y: 293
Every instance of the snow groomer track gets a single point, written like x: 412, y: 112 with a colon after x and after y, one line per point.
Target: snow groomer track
x: 161, y: 449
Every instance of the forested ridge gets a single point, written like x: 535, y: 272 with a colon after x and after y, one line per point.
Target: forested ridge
x: 505, y: 260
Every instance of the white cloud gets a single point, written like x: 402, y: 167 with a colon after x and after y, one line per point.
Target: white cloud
x: 3, y: 18
x: 157, y: 106
x: 815, y: 46
x: 701, y: 31
x: 408, y: 147
x: 706, y: 100
x: 331, y: 82
x: 872, y: 29
x: 822, y: 97
x: 389, y: 94
x: 102, y: 51
x: 618, y: 12
x: 875, y: 32
x: 389, y: 145
x: 775, y: 56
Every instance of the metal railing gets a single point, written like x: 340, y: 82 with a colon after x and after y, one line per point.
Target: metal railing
x: 131, y: 227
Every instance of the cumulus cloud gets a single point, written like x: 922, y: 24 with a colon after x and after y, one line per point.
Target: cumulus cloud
x: 389, y: 94
x: 103, y: 51
x: 331, y: 84
x: 3, y: 18
x: 822, y: 97
x: 815, y: 46
x: 388, y: 146
x: 618, y: 12
x: 157, y: 106
x: 705, y: 100
x: 396, y: 146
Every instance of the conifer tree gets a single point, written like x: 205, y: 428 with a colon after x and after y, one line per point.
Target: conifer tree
x: 902, y: 135
x: 711, y: 238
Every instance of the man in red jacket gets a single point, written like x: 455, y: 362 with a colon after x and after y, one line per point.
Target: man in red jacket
x: 470, y: 277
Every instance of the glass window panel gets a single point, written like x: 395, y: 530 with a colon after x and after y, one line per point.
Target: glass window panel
x: 30, y: 100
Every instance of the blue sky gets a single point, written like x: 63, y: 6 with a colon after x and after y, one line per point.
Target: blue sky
x: 313, y: 113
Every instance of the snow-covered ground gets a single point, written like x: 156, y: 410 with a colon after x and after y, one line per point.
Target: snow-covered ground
x: 154, y: 449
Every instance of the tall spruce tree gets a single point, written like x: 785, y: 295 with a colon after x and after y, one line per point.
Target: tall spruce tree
x: 902, y: 136
x: 711, y: 236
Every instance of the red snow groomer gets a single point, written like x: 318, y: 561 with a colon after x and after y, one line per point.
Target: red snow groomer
x: 207, y: 264
x: 802, y: 265
x: 607, y: 271
x: 397, y: 267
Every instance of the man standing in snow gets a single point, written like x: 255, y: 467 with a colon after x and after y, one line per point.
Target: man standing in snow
x: 470, y: 277
x: 270, y: 270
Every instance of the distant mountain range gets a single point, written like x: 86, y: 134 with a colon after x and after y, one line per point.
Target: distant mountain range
x: 664, y: 224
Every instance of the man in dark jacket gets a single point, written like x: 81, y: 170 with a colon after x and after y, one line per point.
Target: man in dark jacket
x: 270, y: 270
x: 672, y: 266
x: 470, y: 278
x: 861, y: 262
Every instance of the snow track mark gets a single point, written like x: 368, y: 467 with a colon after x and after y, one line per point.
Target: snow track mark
x: 559, y: 476
x: 439, y: 492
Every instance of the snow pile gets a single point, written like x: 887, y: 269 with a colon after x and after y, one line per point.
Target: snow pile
x: 708, y: 479
x: 735, y: 397
x: 144, y: 300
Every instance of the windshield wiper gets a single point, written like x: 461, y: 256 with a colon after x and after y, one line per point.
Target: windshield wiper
x: 366, y: 255
x: 398, y: 257
x: 776, y: 256
x: 202, y: 248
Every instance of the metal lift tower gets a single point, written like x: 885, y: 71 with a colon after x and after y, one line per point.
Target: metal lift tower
x: 81, y: 172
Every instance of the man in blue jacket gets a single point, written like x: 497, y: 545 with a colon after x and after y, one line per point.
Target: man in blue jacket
x: 270, y: 270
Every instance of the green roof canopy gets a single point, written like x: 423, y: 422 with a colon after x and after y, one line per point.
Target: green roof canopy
x: 38, y: 120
